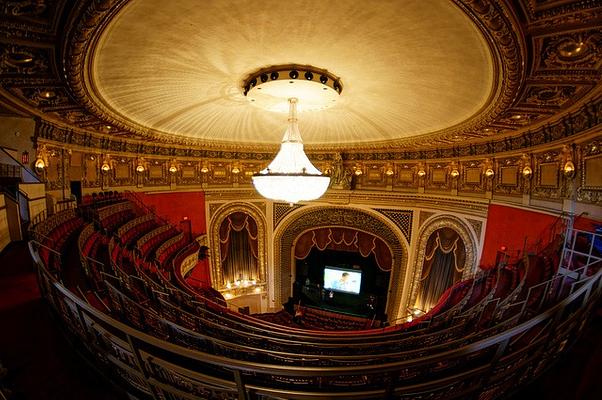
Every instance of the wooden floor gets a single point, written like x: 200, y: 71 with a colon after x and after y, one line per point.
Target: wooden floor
x: 43, y: 365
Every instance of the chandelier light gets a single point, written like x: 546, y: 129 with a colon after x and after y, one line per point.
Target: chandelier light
x: 291, y: 177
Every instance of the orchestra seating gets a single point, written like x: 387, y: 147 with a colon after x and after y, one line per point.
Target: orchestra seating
x: 149, y: 329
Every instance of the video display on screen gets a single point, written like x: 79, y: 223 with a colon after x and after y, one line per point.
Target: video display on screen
x: 342, y: 280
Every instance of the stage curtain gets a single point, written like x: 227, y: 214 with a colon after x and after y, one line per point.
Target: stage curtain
x: 443, y: 265
x: 344, y: 239
x: 238, y: 247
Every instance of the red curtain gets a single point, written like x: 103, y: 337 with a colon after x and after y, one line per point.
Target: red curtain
x: 345, y: 239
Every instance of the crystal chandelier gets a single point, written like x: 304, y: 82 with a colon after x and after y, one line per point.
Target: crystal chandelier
x: 291, y: 177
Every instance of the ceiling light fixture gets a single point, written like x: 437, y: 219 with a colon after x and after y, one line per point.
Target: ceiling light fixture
x: 291, y: 177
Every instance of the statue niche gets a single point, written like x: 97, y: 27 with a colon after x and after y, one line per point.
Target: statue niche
x: 340, y: 177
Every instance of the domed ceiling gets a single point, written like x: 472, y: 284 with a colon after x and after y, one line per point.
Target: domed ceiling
x: 420, y: 79
x: 408, y: 68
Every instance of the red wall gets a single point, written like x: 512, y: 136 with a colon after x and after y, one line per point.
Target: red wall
x: 509, y: 226
x: 175, y: 207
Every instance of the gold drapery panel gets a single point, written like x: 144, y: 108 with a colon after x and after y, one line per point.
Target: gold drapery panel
x: 239, y: 247
x: 443, y: 266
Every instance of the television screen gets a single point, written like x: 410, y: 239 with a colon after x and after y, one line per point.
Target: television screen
x: 342, y: 280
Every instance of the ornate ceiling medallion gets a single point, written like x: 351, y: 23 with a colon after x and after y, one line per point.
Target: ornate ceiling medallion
x: 314, y: 88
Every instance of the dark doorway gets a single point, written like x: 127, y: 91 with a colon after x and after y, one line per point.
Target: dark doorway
x: 76, y: 190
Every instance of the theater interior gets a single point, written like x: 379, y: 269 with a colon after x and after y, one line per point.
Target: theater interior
x: 234, y: 199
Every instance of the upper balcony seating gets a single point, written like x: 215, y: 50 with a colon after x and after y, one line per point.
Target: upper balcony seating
x: 153, y: 239
x: 144, y: 305
x: 438, y: 361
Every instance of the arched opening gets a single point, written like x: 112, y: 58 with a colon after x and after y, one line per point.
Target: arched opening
x: 343, y: 270
x: 239, y: 252
x: 307, y: 218
x: 443, y: 265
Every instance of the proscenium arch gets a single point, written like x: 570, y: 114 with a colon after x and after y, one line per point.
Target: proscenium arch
x: 214, y: 225
x: 430, y: 226
x: 307, y: 218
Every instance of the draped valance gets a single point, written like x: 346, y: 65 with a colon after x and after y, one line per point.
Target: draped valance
x: 344, y: 239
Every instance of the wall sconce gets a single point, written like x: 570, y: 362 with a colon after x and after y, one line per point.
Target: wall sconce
x: 204, y: 169
x: 235, y: 170
x: 40, y: 164
x: 140, y: 168
x: 454, y: 173
x: 421, y: 172
x: 105, y: 167
x: 489, y: 172
x: 527, y: 172
x: 569, y: 169
x: 41, y: 159
x: 389, y: 171
x: 173, y: 168
x: 357, y: 170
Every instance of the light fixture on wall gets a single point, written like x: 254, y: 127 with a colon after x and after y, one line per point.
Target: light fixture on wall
x: 41, y: 159
x: 173, y: 167
x: 40, y: 164
x: 140, y: 167
x: 105, y: 167
x: 291, y: 177
x: 488, y: 172
x: 421, y: 171
x: 568, y: 169
x: 454, y: 173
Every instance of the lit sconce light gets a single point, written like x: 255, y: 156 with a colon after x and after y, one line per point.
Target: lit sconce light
x: 25, y: 157
x: 228, y: 296
x: 257, y: 289
x: 357, y: 170
x: 527, y: 172
x: 421, y: 172
x: 569, y: 169
x: 204, y: 169
x: 235, y: 170
x: 105, y: 167
x: 454, y: 173
x: 40, y: 164
x: 389, y: 171
x: 173, y: 168
x: 489, y: 172
x: 47, y: 94
x: 140, y: 168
